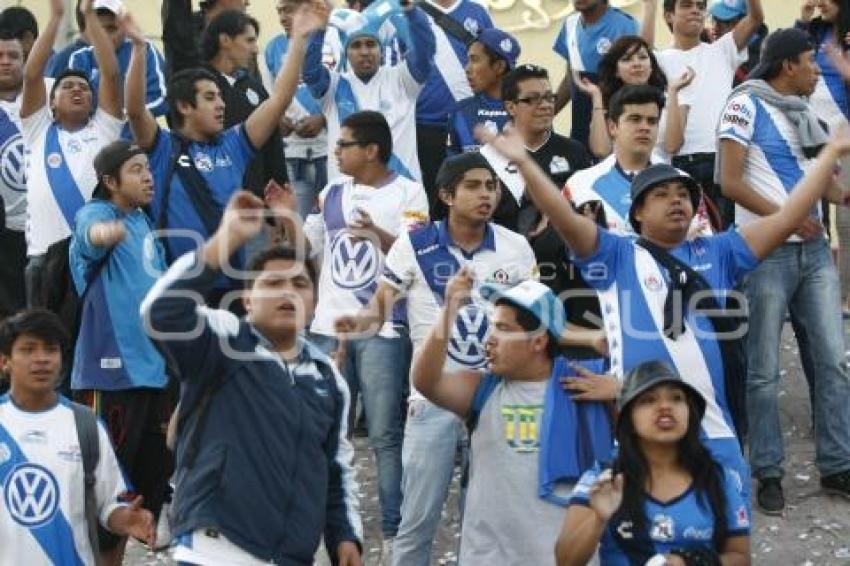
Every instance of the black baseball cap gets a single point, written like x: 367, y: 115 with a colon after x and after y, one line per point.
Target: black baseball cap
x: 785, y: 43
x: 647, y: 375
x: 453, y: 168
x: 109, y: 160
x: 655, y: 175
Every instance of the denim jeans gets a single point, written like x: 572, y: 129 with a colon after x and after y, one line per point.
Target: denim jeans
x: 378, y: 367
x: 308, y: 178
x: 802, y: 278
x: 431, y: 436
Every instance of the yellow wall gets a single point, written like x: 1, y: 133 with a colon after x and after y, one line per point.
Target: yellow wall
x: 535, y: 22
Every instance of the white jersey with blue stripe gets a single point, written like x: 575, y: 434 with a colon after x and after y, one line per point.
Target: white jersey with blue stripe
x: 606, y: 182
x: 632, y: 289
x: 351, y: 266
x: 585, y: 45
x: 42, y: 508
x: 775, y: 161
x: 421, y: 274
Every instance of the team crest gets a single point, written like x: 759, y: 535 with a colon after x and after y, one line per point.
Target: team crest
x: 742, y: 517
x: 54, y: 160
x: 603, y: 45
x: 559, y: 164
x: 663, y: 528
x: 501, y: 276
x: 203, y: 163
x: 506, y: 45
x: 652, y: 283
x: 471, y: 25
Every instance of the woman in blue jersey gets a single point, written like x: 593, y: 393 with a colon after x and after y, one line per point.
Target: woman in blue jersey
x: 665, y: 501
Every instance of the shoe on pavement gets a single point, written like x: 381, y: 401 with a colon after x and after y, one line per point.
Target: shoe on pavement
x: 770, y: 498
x: 837, y: 484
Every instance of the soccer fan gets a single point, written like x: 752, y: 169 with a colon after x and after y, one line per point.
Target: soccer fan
x: 521, y: 418
x: 769, y: 137
x: 63, y: 132
x: 48, y: 446
x: 13, y: 186
x: 117, y: 371
x: 23, y: 25
x: 360, y: 217
x: 585, y: 37
x: 418, y: 267
x: 263, y: 412
x: 491, y: 56
x: 108, y: 14
x: 725, y: 15
x: 662, y: 487
x: 200, y: 164
x: 640, y: 281
x: 366, y: 84
x: 303, y: 125
x: 714, y: 66
x: 456, y: 24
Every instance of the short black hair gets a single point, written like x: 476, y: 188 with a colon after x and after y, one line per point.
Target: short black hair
x: 40, y: 323
x: 510, y: 82
x: 777, y: 65
x: 69, y: 73
x: 230, y: 23
x: 259, y: 260
x: 183, y: 87
x: 19, y: 20
x: 369, y: 127
x: 530, y: 323
x: 634, y: 94
x: 7, y: 34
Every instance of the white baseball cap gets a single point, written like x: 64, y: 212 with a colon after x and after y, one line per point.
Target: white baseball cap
x: 114, y: 6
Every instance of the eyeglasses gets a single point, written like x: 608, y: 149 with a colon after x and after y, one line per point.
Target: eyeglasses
x: 342, y: 144
x: 537, y: 99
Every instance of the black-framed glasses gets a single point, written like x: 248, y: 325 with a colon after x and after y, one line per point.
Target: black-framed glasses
x: 342, y: 144
x: 537, y: 99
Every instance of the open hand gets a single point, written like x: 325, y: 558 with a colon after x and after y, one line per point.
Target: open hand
x: 348, y: 555
x: 684, y: 80
x: 606, y: 494
x: 310, y: 17
x: 140, y: 523
x: 459, y: 287
x: 589, y: 386
x: 131, y: 28
x: 509, y: 143
x: 242, y: 219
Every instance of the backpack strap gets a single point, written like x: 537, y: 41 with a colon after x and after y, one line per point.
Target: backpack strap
x: 449, y: 24
x: 87, y: 435
x: 479, y: 399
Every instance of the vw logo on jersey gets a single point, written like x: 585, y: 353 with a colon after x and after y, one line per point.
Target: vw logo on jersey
x: 466, y: 345
x: 31, y: 495
x: 12, y: 165
x: 354, y: 262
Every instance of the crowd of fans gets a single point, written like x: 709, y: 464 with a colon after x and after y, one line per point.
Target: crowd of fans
x: 235, y: 263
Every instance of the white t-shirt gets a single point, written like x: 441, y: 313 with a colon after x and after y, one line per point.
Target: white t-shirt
x: 714, y: 66
x: 351, y: 267
x: 504, y: 257
x: 42, y: 508
x: 46, y: 224
x: 392, y: 91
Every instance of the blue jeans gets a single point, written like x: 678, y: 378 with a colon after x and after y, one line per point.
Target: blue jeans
x: 308, y: 178
x: 431, y: 436
x: 802, y: 278
x: 378, y: 368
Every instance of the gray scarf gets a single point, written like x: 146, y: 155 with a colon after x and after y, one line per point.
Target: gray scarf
x: 796, y: 108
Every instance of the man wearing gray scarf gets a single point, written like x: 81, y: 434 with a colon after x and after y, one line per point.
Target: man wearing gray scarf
x: 768, y: 136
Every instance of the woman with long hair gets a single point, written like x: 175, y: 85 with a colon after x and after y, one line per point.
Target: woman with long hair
x: 664, y: 500
x: 831, y: 100
x: 630, y: 61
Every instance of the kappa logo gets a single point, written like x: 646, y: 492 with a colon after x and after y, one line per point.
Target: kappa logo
x: 31, y: 495
x: 466, y: 345
x: 354, y: 263
x: 12, y: 164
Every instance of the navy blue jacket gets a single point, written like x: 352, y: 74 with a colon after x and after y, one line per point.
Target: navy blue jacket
x: 273, y: 468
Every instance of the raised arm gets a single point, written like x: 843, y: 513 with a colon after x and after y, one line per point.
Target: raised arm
x: 142, y: 122
x: 769, y: 232
x: 677, y: 114
x: 109, y: 94
x: 587, y: 518
x: 452, y: 391
x: 263, y: 121
x: 599, y: 141
x: 749, y: 25
x: 579, y: 231
x: 179, y: 39
x: 647, y: 24
x: 420, y: 55
x: 34, y: 93
x: 564, y: 93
